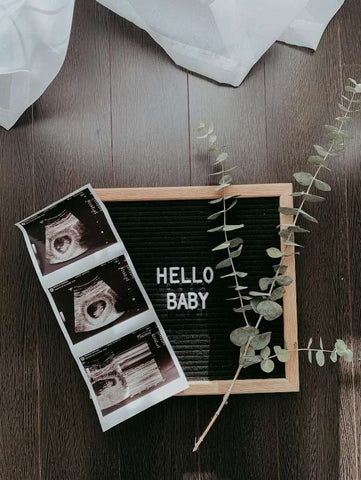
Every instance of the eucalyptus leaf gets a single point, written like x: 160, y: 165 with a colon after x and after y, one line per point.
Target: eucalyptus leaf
x: 254, y: 303
x: 264, y: 283
x: 309, y: 356
x: 348, y: 356
x: 242, y: 309
x: 267, y: 365
x: 221, y: 246
x: 235, y: 242
x: 221, y: 186
x: 297, y: 229
x: 308, y: 217
x: 317, y: 160
x: 320, y: 358
x: 216, y: 200
x: 221, y: 158
x: 303, y: 178
x: 240, y: 335
x: 283, y: 355
x: 290, y: 243
x: 321, y: 151
x: 320, y: 185
x: 277, y: 293
x: 309, y: 342
x: 260, y: 341
x: 231, y: 205
x: 257, y: 294
x: 269, y: 309
x: 265, y: 352
x: 288, y: 210
x: 274, y: 252
x: 280, y: 268
x: 236, y: 253
x: 340, y: 347
x: 333, y: 356
x: 201, y: 126
x: 224, y: 263
x: 229, y: 228
x: 283, y: 280
x: 216, y: 229
x: 313, y: 198
x: 215, y: 215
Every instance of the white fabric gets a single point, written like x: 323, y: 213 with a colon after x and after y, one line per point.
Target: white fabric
x: 34, y: 36
x: 220, y: 39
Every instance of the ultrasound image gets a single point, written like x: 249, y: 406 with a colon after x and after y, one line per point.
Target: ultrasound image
x: 94, y: 305
x: 98, y: 299
x: 128, y: 368
x: 69, y: 230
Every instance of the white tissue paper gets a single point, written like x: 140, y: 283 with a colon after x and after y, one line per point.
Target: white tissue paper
x: 220, y: 39
x: 34, y: 36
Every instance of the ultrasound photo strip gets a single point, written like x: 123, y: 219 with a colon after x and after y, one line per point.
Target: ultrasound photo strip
x: 101, y: 307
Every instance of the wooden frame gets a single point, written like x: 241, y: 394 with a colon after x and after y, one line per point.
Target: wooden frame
x: 282, y: 190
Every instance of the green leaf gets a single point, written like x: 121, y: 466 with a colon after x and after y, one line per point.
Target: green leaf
x: 309, y: 342
x: 320, y: 185
x: 297, y: 229
x: 348, y: 356
x: 215, y: 215
x: 234, y: 274
x: 333, y: 356
x: 225, y: 179
x: 257, y: 294
x: 340, y: 347
x: 279, y: 268
x: 221, y: 246
x: 201, y: 126
x: 309, y: 356
x: 212, y: 139
x: 283, y: 280
x: 267, y: 365
x: 216, y: 229
x: 321, y: 151
x: 235, y: 242
x: 277, y: 349
x: 308, y: 217
x: 221, y: 158
x: 352, y: 81
x: 231, y: 205
x: 236, y: 253
x: 224, y: 263
x: 254, y: 303
x: 342, y: 107
x: 350, y: 89
x: 284, y: 233
x: 260, y: 341
x: 303, y: 178
x: 264, y: 283
x: 221, y: 186
x: 229, y: 228
x: 250, y: 360
x: 216, y: 200
x: 290, y: 243
x: 277, y: 293
x: 240, y: 335
x: 317, y: 160
x: 274, y: 252
x: 242, y: 309
x: 320, y: 358
x: 269, y: 310
x: 265, y: 353
x: 313, y: 198
x: 283, y: 355
x: 288, y: 210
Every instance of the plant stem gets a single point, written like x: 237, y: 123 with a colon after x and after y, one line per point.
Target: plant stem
x: 229, y: 391
x: 229, y: 253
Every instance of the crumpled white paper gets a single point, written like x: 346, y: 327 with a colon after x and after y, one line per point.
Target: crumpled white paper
x: 220, y: 39
x: 34, y: 36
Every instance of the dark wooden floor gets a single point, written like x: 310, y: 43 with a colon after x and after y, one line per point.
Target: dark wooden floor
x: 120, y: 113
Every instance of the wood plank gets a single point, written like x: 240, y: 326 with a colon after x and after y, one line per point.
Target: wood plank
x: 149, y: 111
x: 150, y: 148
x: 239, y: 119
x: 350, y: 411
x: 297, y: 106
x: 72, y: 142
x: 349, y: 19
x: 19, y: 432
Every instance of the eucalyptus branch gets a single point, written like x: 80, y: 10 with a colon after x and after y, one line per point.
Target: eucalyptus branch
x: 264, y: 303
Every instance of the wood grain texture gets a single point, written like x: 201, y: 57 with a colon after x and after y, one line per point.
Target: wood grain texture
x: 150, y: 148
x: 297, y: 106
x: 72, y: 147
x: 120, y: 113
x: 19, y: 402
x: 239, y: 116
